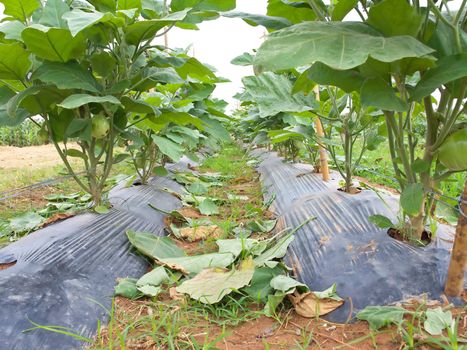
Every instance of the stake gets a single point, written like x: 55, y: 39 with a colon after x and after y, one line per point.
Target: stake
x: 323, y: 156
x: 458, y: 264
x: 166, y: 34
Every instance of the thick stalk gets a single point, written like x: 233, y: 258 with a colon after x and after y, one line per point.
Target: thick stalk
x: 392, y: 151
x: 348, y: 157
x: 458, y: 264
x: 323, y: 156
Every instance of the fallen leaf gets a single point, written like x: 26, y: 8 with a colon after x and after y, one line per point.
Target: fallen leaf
x: 211, y: 285
x: 193, y: 234
x: 56, y: 217
x: 309, y: 305
x: 194, y: 264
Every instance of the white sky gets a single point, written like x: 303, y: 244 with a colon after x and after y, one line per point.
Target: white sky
x: 219, y: 41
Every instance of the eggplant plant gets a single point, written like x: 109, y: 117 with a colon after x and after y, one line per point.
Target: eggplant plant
x: 81, y: 66
x: 402, y: 58
x: 343, y: 115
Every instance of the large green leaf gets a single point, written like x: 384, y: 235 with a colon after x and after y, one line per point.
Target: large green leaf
x: 294, y: 12
x: 342, y: 8
x: 197, y: 263
x: 26, y: 222
x: 412, y: 198
x: 379, y: 316
x: 437, y: 320
x: 127, y: 288
x: 211, y: 285
x: 79, y: 20
x: 203, y: 5
x: 171, y: 149
x: 278, y: 250
x: 154, y: 278
x: 78, y: 100
x: 14, y: 61
x: 208, y: 207
x: 180, y: 118
x: 53, y: 12
x: 53, y: 44
x: 138, y: 106
x: 286, y: 284
x: 193, y: 70
x: 145, y: 30
x: 245, y: 59
x: 273, y: 94
x: 128, y: 4
x: 447, y: 69
x: 340, y: 45
x: 103, y: 63
x: 12, y: 30
x: 20, y: 9
x: 453, y: 151
x: 266, y: 21
x: 215, y: 129
x: 15, y: 101
x: 260, y: 287
x: 347, y: 80
x: 154, y: 246
x: 68, y: 75
x: 377, y: 93
x: 395, y: 17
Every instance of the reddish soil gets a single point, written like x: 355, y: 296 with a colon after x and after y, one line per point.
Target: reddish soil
x: 263, y: 332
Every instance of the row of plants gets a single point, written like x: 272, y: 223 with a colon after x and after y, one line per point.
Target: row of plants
x: 27, y: 134
x: 91, y: 71
x: 375, y: 81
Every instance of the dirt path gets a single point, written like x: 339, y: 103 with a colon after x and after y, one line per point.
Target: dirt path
x: 28, y: 157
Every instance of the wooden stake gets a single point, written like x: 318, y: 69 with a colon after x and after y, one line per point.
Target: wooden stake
x: 166, y: 35
x: 323, y: 156
x: 458, y: 264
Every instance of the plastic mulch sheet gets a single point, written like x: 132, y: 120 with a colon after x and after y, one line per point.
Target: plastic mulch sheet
x: 341, y: 246
x: 65, y: 274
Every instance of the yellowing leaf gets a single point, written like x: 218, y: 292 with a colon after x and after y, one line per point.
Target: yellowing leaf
x: 193, y: 234
x: 309, y: 305
x: 211, y: 285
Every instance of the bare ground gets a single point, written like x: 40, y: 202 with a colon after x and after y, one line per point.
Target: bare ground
x: 28, y: 157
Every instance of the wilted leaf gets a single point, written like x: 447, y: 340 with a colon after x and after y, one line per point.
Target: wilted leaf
x: 260, y: 225
x: 197, y: 188
x: 211, y: 285
x: 26, y: 222
x: 196, y: 263
x: 276, y: 251
x: 236, y: 246
x: 154, y: 278
x: 149, y: 290
x: 260, y: 286
x: 285, y: 284
x: 379, y: 316
x: 127, y: 288
x: 309, y: 305
x: 437, y: 320
x: 197, y: 233
x: 208, y: 207
x: 154, y: 246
